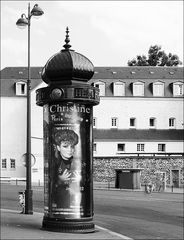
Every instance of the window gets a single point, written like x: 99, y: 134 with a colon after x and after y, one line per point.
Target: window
x: 178, y: 89
x: 114, y: 122
x: 121, y: 147
x: 140, y: 147
x: 94, y: 122
x: 161, y: 147
x: 101, y: 87
x: 138, y: 89
x: 94, y: 147
x: 119, y: 89
x: 158, y: 89
x: 12, y: 163
x: 132, y: 122
x: 4, y: 163
x: 172, y: 122
x: 152, y: 122
x: 21, y: 88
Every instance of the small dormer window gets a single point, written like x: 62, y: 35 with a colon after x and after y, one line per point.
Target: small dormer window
x: 171, y: 73
x: 101, y: 86
x: 20, y: 88
x: 158, y: 89
x: 119, y: 88
x: 138, y: 89
x: 178, y: 89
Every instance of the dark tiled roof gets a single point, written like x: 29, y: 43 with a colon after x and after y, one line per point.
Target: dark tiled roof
x: 168, y: 75
x: 11, y: 75
x: 8, y: 86
x: 138, y: 73
x: 106, y: 72
x: 20, y: 73
x: 136, y: 135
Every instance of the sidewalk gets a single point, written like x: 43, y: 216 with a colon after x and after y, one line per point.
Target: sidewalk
x: 142, y: 189
x: 21, y: 226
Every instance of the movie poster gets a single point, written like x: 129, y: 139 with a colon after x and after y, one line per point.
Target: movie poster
x: 68, y: 160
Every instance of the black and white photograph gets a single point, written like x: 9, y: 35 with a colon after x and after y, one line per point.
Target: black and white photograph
x: 92, y: 120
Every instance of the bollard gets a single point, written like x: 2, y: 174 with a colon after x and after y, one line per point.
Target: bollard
x: 68, y: 102
x: 22, y: 201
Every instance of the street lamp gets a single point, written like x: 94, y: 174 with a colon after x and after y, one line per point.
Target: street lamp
x: 22, y: 23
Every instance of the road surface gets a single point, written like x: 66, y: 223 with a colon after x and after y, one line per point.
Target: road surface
x: 134, y: 214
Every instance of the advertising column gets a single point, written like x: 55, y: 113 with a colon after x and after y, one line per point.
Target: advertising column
x: 67, y: 103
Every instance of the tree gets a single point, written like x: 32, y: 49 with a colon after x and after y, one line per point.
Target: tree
x: 156, y: 57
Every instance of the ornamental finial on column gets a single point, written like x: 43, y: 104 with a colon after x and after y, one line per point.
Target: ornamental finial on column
x: 67, y: 40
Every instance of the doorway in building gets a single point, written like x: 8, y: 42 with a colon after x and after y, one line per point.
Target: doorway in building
x: 175, y: 178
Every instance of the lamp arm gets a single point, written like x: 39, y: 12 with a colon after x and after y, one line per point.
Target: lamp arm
x: 24, y: 16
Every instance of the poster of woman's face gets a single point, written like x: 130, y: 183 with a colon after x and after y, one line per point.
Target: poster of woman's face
x: 69, y: 162
x: 66, y: 141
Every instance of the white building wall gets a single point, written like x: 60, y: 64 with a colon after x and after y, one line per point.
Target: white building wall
x: 105, y: 149
x: 13, y: 134
x: 37, y: 138
x: 140, y: 108
x: 37, y: 168
x: 36, y: 114
x: 122, y: 108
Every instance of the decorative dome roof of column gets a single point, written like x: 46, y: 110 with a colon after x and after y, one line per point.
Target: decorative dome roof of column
x: 67, y: 65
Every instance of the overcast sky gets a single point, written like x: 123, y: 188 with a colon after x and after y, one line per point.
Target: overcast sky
x: 109, y: 33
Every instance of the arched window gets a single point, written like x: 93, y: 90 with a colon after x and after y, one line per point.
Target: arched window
x: 138, y: 88
x: 119, y: 88
x: 158, y: 89
x: 101, y: 86
x: 21, y: 88
x: 178, y: 89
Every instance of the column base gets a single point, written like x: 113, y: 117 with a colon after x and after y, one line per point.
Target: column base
x: 69, y: 225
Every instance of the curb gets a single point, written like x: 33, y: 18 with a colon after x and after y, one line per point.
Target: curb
x: 29, y: 227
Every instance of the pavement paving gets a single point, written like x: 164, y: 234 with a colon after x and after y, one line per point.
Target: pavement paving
x: 22, y: 226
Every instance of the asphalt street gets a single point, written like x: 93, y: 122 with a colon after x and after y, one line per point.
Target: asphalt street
x: 134, y: 214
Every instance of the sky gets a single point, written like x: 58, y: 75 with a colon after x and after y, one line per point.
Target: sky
x: 109, y: 33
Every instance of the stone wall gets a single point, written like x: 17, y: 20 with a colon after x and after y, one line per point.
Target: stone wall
x: 104, y: 167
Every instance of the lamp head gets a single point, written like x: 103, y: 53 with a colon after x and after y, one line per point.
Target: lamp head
x: 22, y: 22
x: 36, y: 11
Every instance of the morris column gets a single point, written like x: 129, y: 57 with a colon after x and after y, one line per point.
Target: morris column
x: 68, y: 102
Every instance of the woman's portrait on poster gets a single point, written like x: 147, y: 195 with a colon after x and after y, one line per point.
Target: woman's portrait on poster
x: 65, y: 141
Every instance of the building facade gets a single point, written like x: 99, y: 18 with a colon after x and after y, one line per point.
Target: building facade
x: 140, y: 113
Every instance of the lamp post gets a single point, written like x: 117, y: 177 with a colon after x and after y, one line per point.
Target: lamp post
x: 22, y: 23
